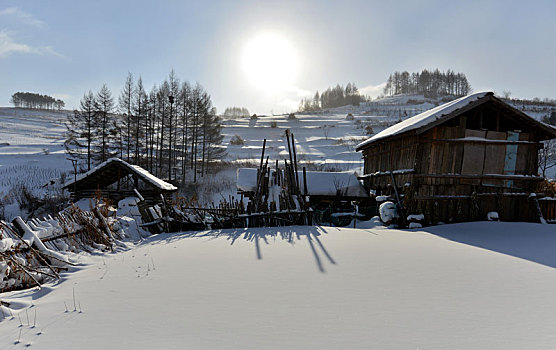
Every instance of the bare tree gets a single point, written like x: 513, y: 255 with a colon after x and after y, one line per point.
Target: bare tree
x: 139, y: 113
x: 547, y: 156
x: 80, y: 130
x: 125, y: 102
x: 185, y: 97
x: 104, y: 103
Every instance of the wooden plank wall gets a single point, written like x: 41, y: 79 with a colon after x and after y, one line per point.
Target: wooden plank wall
x: 449, y: 199
x: 390, y: 156
x: 474, y: 153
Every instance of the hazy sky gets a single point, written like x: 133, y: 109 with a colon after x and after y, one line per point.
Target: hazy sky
x: 65, y: 48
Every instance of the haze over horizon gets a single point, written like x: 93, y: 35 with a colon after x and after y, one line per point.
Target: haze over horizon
x: 267, y: 55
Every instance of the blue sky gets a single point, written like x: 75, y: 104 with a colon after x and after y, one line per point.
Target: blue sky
x: 65, y: 48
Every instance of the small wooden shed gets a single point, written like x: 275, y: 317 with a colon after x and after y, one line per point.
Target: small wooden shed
x: 117, y: 179
x: 460, y: 161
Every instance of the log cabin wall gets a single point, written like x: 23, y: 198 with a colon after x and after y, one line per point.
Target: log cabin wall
x: 479, y: 161
x: 396, y: 155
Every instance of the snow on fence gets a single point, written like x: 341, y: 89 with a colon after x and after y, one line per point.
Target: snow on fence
x: 32, y: 252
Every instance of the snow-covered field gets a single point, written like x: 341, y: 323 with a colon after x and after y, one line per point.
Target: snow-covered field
x: 480, y: 285
x: 325, y: 141
x: 31, y: 151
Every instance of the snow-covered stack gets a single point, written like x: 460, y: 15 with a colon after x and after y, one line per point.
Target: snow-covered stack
x: 34, y: 252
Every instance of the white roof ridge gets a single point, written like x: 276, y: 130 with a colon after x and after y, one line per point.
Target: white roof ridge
x: 143, y: 173
x: 425, y: 118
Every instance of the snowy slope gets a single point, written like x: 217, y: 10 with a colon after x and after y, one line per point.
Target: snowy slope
x: 465, y: 286
x: 325, y: 141
x: 31, y: 151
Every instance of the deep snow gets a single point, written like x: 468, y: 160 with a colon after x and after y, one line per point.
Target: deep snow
x: 483, y: 285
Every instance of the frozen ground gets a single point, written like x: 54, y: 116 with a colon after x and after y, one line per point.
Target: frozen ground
x: 468, y: 286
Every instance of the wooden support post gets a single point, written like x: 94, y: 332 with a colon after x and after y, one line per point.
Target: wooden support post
x: 538, y: 209
x: 305, y: 192
x: 400, y: 205
x: 259, y: 176
x: 295, y: 165
x: 276, y: 175
x: 291, y: 158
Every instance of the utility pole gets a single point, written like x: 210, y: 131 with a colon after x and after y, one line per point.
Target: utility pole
x: 171, y: 100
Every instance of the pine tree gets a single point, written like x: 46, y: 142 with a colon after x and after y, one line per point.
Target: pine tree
x: 139, y: 110
x: 185, y: 97
x: 80, y: 131
x: 173, y: 92
x: 213, y: 138
x: 125, y: 102
x: 105, y: 125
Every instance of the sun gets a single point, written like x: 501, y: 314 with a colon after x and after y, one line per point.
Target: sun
x: 270, y: 62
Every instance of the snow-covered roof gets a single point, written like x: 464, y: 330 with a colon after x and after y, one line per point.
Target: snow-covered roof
x: 426, y: 117
x: 319, y: 183
x: 140, y: 172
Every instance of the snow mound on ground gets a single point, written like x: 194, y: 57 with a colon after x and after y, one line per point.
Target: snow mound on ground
x: 493, y: 216
x: 415, y: 225
x: 388, y: 212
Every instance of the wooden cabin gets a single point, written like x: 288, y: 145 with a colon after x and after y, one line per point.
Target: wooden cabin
x: 117, y: 179
x: 460, y: 161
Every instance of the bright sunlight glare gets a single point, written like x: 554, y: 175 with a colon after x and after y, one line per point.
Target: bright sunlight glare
x: 270, y: 62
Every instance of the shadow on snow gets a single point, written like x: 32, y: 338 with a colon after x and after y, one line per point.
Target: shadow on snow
x: 533, y: 242
x: 259, y: 236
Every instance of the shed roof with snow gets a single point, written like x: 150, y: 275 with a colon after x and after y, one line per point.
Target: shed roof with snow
x: 429, y: 119
x: 108, y: 177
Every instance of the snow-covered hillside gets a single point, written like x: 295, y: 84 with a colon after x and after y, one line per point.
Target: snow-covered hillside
x: 324, y: 141
x: 31, y: 152
x: 466, y: 286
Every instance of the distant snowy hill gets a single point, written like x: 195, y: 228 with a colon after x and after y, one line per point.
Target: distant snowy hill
x: 411, y: 105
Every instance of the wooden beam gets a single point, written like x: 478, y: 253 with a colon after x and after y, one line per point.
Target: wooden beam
x: 482, y: 176
x: 487, y: 141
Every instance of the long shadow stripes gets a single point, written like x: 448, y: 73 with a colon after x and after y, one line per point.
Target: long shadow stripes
x: 324, y: 250
x: 317, y: 258
x: 290, y: 234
